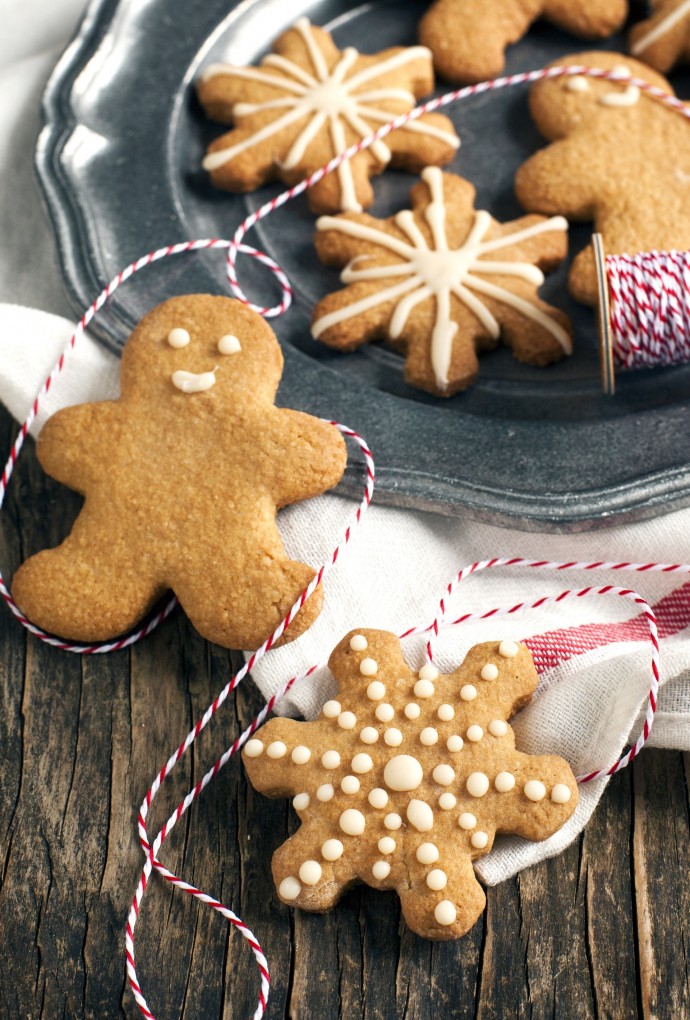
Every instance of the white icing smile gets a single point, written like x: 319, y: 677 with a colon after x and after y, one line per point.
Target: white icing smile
x: 194, y: 382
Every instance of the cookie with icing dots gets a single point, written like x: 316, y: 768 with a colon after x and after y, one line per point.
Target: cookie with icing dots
x: 617, y: 157
x: 468, y: 38
x: 406, y: 779
x: 442, y: 281
x: 183, y: 475
x: 307, y: 102
x: 663, y: 40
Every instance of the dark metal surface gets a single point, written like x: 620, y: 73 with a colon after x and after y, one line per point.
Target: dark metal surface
x: 119, y: 164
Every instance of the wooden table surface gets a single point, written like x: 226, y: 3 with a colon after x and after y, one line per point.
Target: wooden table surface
x: 601, y: 931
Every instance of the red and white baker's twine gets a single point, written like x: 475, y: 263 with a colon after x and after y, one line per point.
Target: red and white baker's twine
x: 235, y: 248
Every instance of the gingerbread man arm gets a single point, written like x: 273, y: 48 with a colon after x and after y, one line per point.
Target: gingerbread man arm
x: 68, y: 443
x: 314, y: 461
x: 562, y: 179
x: 593, y: 19
x: 663, y: 39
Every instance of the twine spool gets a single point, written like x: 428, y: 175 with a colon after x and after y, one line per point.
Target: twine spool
x: 644, y: 310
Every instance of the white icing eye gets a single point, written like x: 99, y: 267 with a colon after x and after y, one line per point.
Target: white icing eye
x: 368, y: 667
x: 178, y: 338
x: 358, y: 643
x: 332, y: 850
x: 276, y: 749
x: 310, y: 872
x: 381, y: 870
x: 478, y: 839
x: 445, y: 912
x: 289, y: 888
x: 560, y: 794
x: 254, y: 748
x: 301, y: 801
x: 534, y: 790
x: 331, y: 709
x: 229, y: 344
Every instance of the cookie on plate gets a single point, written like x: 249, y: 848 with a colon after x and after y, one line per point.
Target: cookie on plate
x: 663, y: 40
x: 441, y: 281
x: 468, y: 38
x: 183, y: 475
x: 618, y: 157
x: 308, y: 102
x: 407, y: 778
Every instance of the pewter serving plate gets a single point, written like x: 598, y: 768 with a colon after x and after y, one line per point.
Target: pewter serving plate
x: 119, y: 163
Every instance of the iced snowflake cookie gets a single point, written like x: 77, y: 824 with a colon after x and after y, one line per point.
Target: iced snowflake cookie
x: 468, y: 38
x: 308, y: 102
x: 407, y: 778
x: 183, y: 475
x: 663, y: 40
x: 442, y: 281
x: 618, y: 157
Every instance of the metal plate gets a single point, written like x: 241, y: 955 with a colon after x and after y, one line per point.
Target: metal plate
x: 119, y: 164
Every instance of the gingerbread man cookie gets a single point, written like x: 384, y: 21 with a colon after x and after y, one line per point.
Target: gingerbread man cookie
x: 308, y: 102
x: 618, y: 157
x: 663, y: 40
x: 441, y: 281
x: 407, y: 778
x: 468, y: 38
x: 182, y: 476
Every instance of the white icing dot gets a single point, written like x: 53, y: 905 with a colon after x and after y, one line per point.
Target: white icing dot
x: 437, y: 880
x: 467, y: 820
x: 560, y: 794
x: 428, y: 672
x: 178, y: 337
x: 229, y: 344
x: 376, y: 690
x: 445, y: 913
x: 301, y: 755
x: 445, y: 713
x: 489, y: 672
x: 443, y: 775
x: 362, y: 763
x: 403, y: 773
x: 479, y: 839
x: 347, y: 720
x: 386, y: 845
x: 392, y: 821
x: 289, y: 888
x: 350, y: 784
x: 330, y: 759
x: 424, y: 689
x: 332, y: 850
x: 325, y: 793
x: 455, y: 743
x: 276, y: 749
x: 498, y: 728
x: 447, y: 801
x: 301, y: 801
x: 254, y: 748
x: 508, y: 649
x: 378, y: 798
x: 477, y: 784
x: 393, y: 737
x: 369, y: 735
x: 384, y: 713
x: 420, y: 815
x: 352, y: 822
x: 331, y: 709
x: 428, y: 736
x: 381, y: 870
x: 310, y: 872
x: 427, y: 853
x: 504, y: 782
x: 468, y: 692
x: 474, y: 733
x: 358, y: 642
x: 368, y: 667
x: 534, y: 790
x: 412, y: 711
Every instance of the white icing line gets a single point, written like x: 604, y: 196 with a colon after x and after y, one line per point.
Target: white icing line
x: 315, y: 55
x: 384, y: 66
x: 380, y: 297
x: 253, y: 74
x: 214, y: 160
x: 276, y: 60
x: 662, y: 27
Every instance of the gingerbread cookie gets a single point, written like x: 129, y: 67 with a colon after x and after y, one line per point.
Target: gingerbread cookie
x: 442, y: 281
x: 468, y: 38
x: 407, y: 778
x: 308, y: 102
x: 663, y: 40
x: 182, y: 476
x: 618, y: 157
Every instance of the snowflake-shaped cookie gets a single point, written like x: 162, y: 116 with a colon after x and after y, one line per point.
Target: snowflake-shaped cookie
x: 407, y: 778
x: 663, y: 40
x: 308, y: 102
x: 428, y: 280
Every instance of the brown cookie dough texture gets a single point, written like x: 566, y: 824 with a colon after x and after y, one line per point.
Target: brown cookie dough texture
x: 618, y: 157
x: 183, y: 475
x: 468, y: 38
x: 442, y: 281
x: 307, y: 102
x: 663, y: 40
x: 406, y: 779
